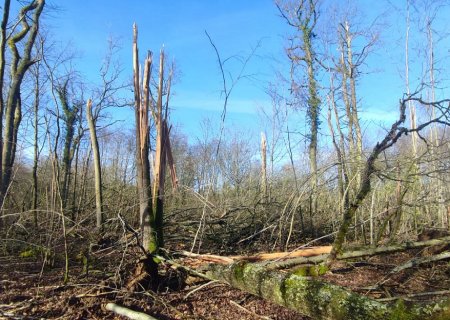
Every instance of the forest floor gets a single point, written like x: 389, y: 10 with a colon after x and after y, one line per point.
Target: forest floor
x: 29, y: 290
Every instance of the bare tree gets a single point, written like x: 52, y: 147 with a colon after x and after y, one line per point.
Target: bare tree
x: 393, y: 135
x: 10, y: 111
x: 97, y: 167
x: 302, y: 16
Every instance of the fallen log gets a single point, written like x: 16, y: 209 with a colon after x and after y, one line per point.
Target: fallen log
x: 317, y: 299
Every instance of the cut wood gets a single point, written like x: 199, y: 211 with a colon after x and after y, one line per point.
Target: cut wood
x: 317, y: 299
x: 208, y: 257
x: 306, y: 252
x: 131, y: 314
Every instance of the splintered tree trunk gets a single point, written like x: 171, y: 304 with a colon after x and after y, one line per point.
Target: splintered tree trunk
x: 151, y: 208
x: 142, y: 100
x: 317, y: 299
x: 97, y: 167
x: 146, y: 214
x: 160, y: 157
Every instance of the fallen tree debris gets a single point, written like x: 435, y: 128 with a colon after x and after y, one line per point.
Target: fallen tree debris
x: 358, y: 253
x: 131, y: 314
x: 418, y: 261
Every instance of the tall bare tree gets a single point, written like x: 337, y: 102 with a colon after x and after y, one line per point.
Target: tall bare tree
x: 97, y: 166
x: 21, y: 44
x: 302, y: 16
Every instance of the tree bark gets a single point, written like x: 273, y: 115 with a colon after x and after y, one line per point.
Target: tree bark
x: 146, y: 214
x: 303, y: 16
x: 20, y: 64
x: 143, y: 147
x: 317, y: 299
x: 264, y: 187
x: 97, y: 167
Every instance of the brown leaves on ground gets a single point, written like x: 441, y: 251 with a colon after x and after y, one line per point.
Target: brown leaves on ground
x: 26, y: 292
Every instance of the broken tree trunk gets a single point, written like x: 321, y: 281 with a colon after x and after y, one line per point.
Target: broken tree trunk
x: 147, y: 215
x: 317, y: 299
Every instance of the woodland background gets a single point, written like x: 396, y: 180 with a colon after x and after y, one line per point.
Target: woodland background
x: 293, y: 182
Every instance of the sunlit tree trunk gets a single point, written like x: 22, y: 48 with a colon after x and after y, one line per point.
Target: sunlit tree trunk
x: 264, y: 187
x: 142, y: 102
x: 70, y: 118
x: 303, y: 17
x: 34, y: 201
x: 97, y: 167
x: 411, y: 107
x: 10, y: 111
x: 351, y: 69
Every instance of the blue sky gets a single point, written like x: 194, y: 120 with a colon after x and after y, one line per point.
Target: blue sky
x: 236, y: 27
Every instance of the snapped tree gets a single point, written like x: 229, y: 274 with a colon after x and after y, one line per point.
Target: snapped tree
x: 151, y: 204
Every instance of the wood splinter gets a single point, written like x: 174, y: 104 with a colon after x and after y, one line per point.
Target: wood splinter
x: 131, y: 314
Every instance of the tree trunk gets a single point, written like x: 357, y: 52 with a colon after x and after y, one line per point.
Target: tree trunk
x: 264, y: 187
x: 69, y: 119
x: 34, y: 201
x: 144, y: 186
x: 20, y: 64
x: 146, y: 214
x: 317, y: 299
x: 97, y: 167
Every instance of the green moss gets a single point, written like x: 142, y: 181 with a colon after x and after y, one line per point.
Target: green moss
x: 318, y: 270
x: 314, y: 297
x: 35, y: 251
x: 238, y: 271
x: 152, y: 246
x: 400, y: 312
x: 355, y: 307
x: 30, y: 252
x: 156, y: 260
x: 302, y: 271
x: 311, y: 270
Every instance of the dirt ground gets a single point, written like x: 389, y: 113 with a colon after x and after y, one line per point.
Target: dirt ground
x: 30, y: 291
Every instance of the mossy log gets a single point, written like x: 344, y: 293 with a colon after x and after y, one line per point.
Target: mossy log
x: 317, y: 299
